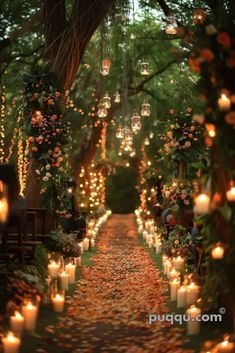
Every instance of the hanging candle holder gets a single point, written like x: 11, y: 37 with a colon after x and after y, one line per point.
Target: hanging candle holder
x: 145, y: 110
x: 128, y: 134
x: 136, y: 122
x: 107, y: 100
x: 102, y: 111
x: 145, y: 70
x: 105, y: 66
x: 171, y: 25
x: 117, y: 97
x: 199, y: 16
x: 120, y: 133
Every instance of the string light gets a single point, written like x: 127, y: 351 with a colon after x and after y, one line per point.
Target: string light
x: 2, y: 119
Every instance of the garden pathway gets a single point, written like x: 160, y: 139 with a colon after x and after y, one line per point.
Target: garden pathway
x: 109, y: 310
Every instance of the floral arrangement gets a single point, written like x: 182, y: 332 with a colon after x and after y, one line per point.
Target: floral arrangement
x: 182, y: 137
x: 178, y: 240
x: 64, y: 244
x: 49, y: 139
x: 178, y: 194
x: 25, y: 285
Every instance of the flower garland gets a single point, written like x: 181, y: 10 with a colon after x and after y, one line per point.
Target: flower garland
x: 178, y: 195
x: 49, y: 136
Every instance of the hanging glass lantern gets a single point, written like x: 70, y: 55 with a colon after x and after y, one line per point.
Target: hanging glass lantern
x: 199, y: 15
x: 145, y: 70
x: 128, y: 134
x: 145, y: 111
x: 171, y: 25
x: 102, y: 111
x: 117, y: 97
x: 105, y: 66
x: 107, y: 100
x: 136, y: 123
x: 120, y: 133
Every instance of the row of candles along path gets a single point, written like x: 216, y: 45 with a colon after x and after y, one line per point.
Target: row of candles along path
x: 187, y: 294
x: 66, y: 274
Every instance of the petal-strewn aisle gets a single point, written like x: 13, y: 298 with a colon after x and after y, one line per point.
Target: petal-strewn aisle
x: 109, y: 311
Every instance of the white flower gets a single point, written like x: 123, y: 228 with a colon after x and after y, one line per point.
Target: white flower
x: 45, y: 178
x: 48, y: 167
x: 37, y: 171
x: 48, y: 175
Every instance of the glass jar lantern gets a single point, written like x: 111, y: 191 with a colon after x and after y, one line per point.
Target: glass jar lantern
x: 145, y: 110
x: 107, y: 100
x: 120, y: 133
x: 117, y: 97
x: 105, y: 66
x: 136, y: 123
x: 145, y: 70
x: 171, y: 25
x: 102, y: 111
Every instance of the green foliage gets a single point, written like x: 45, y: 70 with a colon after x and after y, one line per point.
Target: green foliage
x: 64, y: 244
x: 122, y: 196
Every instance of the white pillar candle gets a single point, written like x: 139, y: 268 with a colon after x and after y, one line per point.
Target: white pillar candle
x: 79, y: 261
x: 53, y: 269
x: 174, y: 275
x: 86, y: 244
x: 192, y: 293
x: 92, y: 243
x: 64, y: 280
x: 81, y: 246
x: 158, y: 248
x: 225, y: 347
x: 30, y: 312
x: 11, y: 343
x: 167, y: 265
x: 230, y: 194
x: 58, y: 303
x: 164, y: 259
x: 71, y: 270
x: 145, y: 234
x: 17, y: 323
x: 193, y: 325
x: 174, y: 286
x: 202, y: 203
x: 224, y: 102
x: 178, y: 263
x: 169, y: 268
x: 181, y: 297
x: 150, y: 244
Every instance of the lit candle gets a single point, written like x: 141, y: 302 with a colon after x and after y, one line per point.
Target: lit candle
x: 30, y: 312
x: 174, y: 286
x: 81, y: 246
x: 53, y: 269
x: 167, y: 263
x: 58, y: 303
x: 10, y: 343
x: 217, y: 252
x: 164, y: 259
x: 202, y: 203
x: 86, y: 244
x: 193, y: 325
x: 224, y: 102
x: 181, y: 297
x: 3, y: 209
x: 178, y: 263
x: 64, y: 281
x: 71, y: 270
x: 92, y: 243
x: 174, y: 274
x: 158, y: 247
x: 225, y: 347
x: 230, y: 194
x: 192, y: 293
x: 17, y: 323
